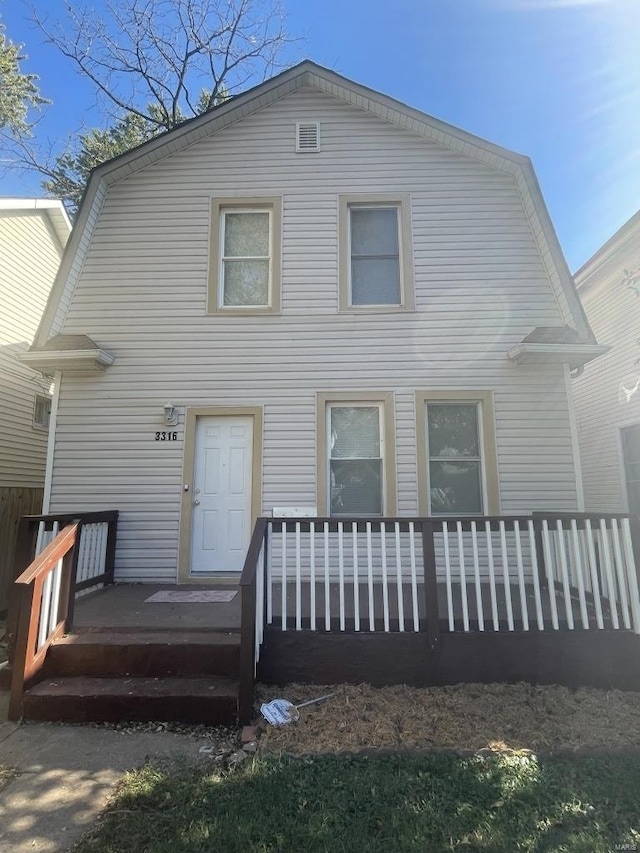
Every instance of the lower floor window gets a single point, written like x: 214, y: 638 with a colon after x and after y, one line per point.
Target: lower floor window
x: 355, y: 460
x: 455, y: 458
x: 631, y: 458
x: 457, y: 453
x: 355, y: 453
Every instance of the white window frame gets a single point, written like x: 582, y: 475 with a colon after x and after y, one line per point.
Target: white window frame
x: 224, y: 212
x: 36, y: 423
x: 622, y: 464
x: 402, y: 204
x: 480, y: 458
x: 373, y: 206
x: 220, y: 207
x: 383, y: 483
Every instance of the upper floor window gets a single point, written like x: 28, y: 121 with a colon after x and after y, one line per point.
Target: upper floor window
x: 245, y: 265
x: 375, y: 253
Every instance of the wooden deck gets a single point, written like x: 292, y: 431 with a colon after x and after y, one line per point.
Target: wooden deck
x: 127, y: 658
x: 124, y: 607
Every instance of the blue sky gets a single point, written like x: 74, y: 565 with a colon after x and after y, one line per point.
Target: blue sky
x: 558, y: 80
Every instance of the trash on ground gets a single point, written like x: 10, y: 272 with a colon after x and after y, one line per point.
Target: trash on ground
x: 279, y: 712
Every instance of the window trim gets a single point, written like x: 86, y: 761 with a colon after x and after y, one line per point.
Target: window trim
x: 38, y: 424
x: 402, y: 202
x: 237, y: 204
x: 384, y: 400
x: 621, y: 461
x: 487, y: 438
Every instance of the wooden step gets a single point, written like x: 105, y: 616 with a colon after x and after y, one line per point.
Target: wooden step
x: 212, y: 701
x: 144, y: 653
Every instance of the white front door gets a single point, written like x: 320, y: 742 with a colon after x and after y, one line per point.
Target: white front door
x: 221, y: 494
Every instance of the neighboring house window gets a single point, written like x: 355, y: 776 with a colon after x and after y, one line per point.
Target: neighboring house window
x: 630, y: 437
x: 356, y: 454
x: 457, y: 454
x: 375, y: 253
x: 245, y: 265
x: 42, y: 411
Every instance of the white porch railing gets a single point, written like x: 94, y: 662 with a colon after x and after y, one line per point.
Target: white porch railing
x: 92, y: 548
x: 541, y: 572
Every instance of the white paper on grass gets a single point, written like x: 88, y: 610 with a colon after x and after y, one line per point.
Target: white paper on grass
x: 279, y: 712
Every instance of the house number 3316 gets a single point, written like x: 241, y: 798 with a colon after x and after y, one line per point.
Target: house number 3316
x: 166, y: 436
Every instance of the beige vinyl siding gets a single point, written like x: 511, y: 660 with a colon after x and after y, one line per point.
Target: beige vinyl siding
x: 602, y: 407
x: 23, y: 448
x: 30, y: 253
x: 480, y: 287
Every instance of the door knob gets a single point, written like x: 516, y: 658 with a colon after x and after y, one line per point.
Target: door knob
x: 196, y: 503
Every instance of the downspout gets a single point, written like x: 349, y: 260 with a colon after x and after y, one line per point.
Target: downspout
x: 575, y: 446
x: 53, y: 421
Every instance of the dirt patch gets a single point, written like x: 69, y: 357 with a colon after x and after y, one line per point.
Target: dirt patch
x: 6, y: 775
x: 465, y: 716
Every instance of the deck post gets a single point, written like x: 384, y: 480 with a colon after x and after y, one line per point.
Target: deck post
x: 430, y: 584
x: 110, y: 556
x: 542, y: 571
x: 247, y: 647
x: 69, y: 576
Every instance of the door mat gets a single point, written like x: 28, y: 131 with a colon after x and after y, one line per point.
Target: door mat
x: 204, y: 596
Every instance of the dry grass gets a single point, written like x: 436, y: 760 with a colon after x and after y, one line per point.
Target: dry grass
x: 465, y: 716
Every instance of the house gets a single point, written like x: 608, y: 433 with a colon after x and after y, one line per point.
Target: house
x: 323, y: 339
x: 607, y: 392
x: 33, y: 234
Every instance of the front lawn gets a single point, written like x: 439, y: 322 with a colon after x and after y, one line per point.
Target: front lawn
x: 391, y: 804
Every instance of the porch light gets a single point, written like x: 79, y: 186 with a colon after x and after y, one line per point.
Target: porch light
x: 170, y: 414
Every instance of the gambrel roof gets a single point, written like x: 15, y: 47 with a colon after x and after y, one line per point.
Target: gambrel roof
x: 307, y: 74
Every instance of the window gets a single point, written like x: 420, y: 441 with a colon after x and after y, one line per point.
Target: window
x: 375, y: 253
x: 355, y: 460
x: 630, y: 439
x: 245, y: 265
x: 456, y: 454
x: 356, y: 454
x: 42, y: 411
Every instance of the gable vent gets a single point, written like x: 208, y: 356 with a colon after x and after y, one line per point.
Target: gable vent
x: 307, y: 136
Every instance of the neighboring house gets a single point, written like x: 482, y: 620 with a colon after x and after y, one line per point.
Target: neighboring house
x: 607, y: 394
x: 33, y: 234
x: 311, y: 299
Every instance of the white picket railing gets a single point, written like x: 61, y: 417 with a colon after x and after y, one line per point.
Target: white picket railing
x: 548, y: 572
x: 92, y: 548
x: 50, y: 588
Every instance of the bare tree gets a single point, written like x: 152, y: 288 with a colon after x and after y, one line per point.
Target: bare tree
x: 167, y: 60
x: 153, y: 64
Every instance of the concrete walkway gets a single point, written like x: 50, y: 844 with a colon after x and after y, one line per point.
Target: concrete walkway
x: 66, y: 775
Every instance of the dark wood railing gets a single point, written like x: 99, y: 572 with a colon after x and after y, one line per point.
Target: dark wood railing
x: 252, y: 617
x: 547, y: 571
x: 80, y: 556
x: 41, y: 604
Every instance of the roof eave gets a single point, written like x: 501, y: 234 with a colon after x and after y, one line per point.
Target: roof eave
x: 78, y: 361
x: 575, y: 355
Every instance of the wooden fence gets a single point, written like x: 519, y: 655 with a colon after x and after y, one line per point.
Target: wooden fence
x: 15, y: 502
